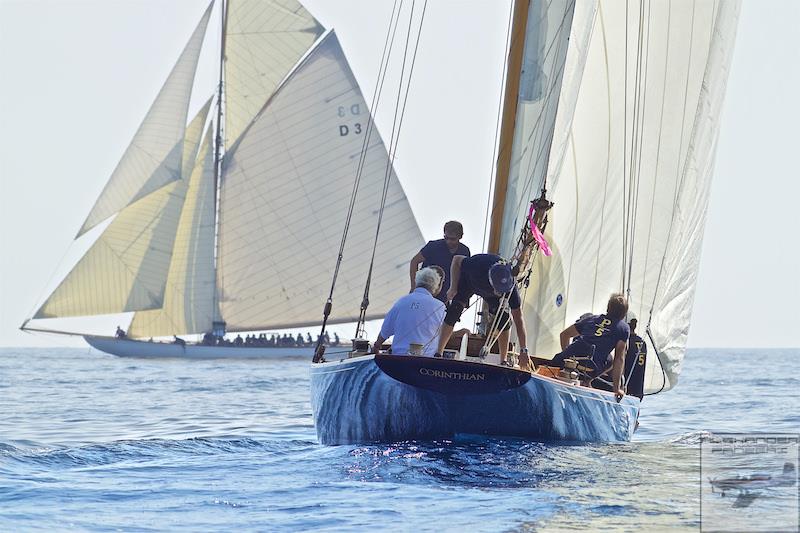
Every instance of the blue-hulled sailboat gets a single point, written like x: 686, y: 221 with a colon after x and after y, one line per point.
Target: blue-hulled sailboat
x: 610, y: 118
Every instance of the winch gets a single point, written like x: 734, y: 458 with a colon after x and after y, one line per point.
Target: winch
x: 569, y: 373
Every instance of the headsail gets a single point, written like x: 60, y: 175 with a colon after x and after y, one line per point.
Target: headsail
x: 673, y: 295
x: 126, y: 268
x: 154, y: 157
x: 263, y: 41
x: 286, y: 184
x: 189, y: 305
x: 631, y: 182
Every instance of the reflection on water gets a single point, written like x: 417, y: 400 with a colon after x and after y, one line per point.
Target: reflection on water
x: 95, y: 442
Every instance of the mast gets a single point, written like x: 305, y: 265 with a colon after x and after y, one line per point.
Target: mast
x: 516, y: 51
x: 218, y: 325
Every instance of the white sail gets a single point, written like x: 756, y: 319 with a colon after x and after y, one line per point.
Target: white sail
x: 264, y: 39
x: 674, y: 294
x: 126, y: 268
x: 189, y: 304
x: 557, y: 36
x: 547, y: 39
x: 154, y: 157
x: 286, y: 187
x: 630, y: 168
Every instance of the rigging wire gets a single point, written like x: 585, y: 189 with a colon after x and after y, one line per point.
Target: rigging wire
x: 681, y: 168
x: 495, y: 144
x: 399, y: 115
x: 536, y: 131
x: 382, y: 69
x: 492, y: 170
x: 639, y: 157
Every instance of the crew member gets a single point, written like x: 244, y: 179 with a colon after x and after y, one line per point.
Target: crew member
x: 440, y: 252
x: 415, y: 318
x: 635, y: 362
x: 597, y: 336
x: 489, y: 276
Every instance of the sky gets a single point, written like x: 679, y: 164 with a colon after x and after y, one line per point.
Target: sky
x: 79, y: 75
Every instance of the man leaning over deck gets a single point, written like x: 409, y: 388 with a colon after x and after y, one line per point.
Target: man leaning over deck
x: 416, y: 317
x: 490, y: 277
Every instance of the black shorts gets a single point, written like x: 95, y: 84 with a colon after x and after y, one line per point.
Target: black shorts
x: 461, y: 301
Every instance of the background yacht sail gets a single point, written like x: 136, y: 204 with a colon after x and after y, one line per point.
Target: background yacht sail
x: 284, y: 192
x: 126, y: 269
x: 285, y: 189
x: 263, y: 41
x: 189, y: 303
x: 154, y: 157
x: 630, y: 184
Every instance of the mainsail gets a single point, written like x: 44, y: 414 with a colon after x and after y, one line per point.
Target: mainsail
x: 629, y: 170
x: 285, y: 188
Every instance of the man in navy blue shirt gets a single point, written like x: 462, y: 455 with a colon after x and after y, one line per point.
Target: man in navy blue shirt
x: 489, y: 276
x: 598, y: 336
x: 440, y: 253
x: 635, y: 362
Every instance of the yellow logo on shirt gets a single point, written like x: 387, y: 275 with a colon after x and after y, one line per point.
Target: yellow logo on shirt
x: 601, y: 327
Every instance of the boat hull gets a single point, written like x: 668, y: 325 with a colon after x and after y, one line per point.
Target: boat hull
x: 354, y: 401
x: 136, y: 348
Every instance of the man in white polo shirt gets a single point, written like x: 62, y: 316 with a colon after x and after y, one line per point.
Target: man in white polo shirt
x: 416, y: 318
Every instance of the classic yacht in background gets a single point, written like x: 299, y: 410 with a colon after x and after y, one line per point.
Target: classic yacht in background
x: 237, y: 229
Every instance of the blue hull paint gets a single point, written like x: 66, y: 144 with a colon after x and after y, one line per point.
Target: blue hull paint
x: 354, y: 402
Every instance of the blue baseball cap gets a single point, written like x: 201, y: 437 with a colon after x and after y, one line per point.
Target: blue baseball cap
x: 501, y: 278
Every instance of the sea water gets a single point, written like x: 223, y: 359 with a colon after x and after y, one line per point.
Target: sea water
x: 89, y: 441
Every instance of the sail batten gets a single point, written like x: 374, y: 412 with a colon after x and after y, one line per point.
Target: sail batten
x: 155, y: 155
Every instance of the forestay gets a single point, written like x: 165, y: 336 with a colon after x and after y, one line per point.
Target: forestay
x: 631, y: 183
x: 285, y: 187
x: 154, y: 157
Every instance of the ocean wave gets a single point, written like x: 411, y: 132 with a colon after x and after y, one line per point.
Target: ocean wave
x: 145, y: 449
x: 691, y: 438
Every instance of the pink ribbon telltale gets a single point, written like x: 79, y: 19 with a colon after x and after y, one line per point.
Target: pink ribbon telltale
x: 537, y: 235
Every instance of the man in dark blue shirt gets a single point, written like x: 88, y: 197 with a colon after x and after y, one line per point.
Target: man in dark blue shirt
x: 598, y: 336
x: 440, y: 253
x: 635, y: 363
x: 489, y: 276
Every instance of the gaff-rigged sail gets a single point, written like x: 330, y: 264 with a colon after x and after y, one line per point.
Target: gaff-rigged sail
x: 631, y: 183
x: 286, y: 185
x: 188, y: 303
x: 154, y: 157
x: 264, y: 39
